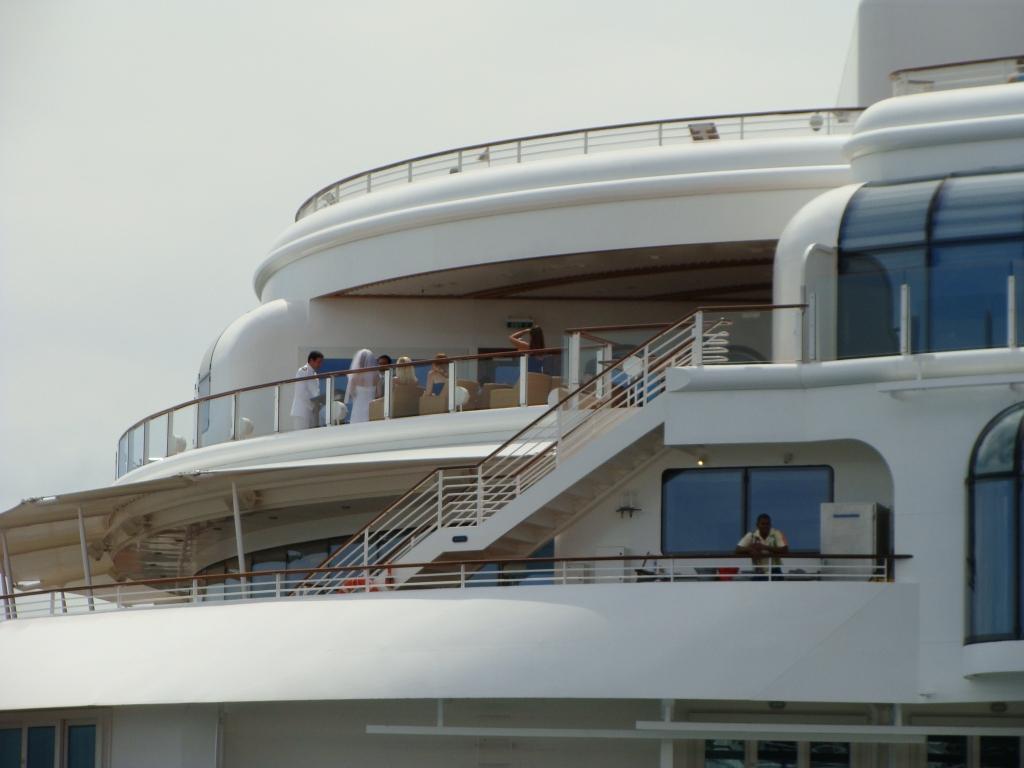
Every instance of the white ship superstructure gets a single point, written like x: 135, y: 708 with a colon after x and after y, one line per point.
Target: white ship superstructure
x: 527, y: 558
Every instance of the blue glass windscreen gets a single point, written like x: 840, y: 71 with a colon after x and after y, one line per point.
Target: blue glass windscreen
x: 702, y: 511
x: 709, y: 510
x: 954, y: 243
x: 792, y: 497
x: 42, y: 742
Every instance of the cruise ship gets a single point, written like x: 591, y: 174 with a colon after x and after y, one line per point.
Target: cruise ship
x: 695, y: 442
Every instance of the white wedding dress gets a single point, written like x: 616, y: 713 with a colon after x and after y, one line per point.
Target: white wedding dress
x: 360, y: 404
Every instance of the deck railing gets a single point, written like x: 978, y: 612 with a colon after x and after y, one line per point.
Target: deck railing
x: 264, y: 409
x: 463, y: 496
x: 547, y: 146
x: 356, y: 580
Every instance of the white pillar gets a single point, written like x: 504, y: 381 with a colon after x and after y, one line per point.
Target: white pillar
x: 238, y: 536
x: 667, y: 745
x: 85, y: 559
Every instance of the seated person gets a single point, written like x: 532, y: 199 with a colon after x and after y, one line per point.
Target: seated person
x: 535, y: 363
x: 438, y: 375
x: 764, y: 540
x: 405, y: 374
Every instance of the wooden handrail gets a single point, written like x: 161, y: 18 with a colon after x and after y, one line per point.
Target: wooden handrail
x: 444, y: 563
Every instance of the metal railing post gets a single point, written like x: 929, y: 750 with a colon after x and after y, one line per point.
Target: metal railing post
x: 660, y: 134
x: 195, y: 590
x: 646, y: 373
x: 277, y: 585
x: 53, y: 601
x: 328, y: 401
x: 519, y: 151
x: 9, y: 574
x: 366, y: 545
x: 277, y: 409
x: 85, y: 559
x: 368, y: 183
x: 460, y: 161
x: 170, y: 447
x: 586, y: 142
x: 410, y: 172
x: 1011, y: 311
x: 388, y: 378
x: 480, y: 495
x: 440, y: 497
x: 741, y: 126
x: 118, y: 595
x: 905, y: 341
x: 452, y: 383
x: 523, y: 370
x: 574, y: 361
x: 462, y: 575
x: 145, y: 443
x: 238, y: 538
x: 697, y: 356
x: 234, y: 416
x: 812, y: 326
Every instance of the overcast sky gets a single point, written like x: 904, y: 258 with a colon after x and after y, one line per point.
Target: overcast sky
x: 150, y: 152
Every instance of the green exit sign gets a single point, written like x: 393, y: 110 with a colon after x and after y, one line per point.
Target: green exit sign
x: 513, y: 323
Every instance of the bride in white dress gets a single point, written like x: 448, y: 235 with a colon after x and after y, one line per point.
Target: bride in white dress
x: 362, y: 387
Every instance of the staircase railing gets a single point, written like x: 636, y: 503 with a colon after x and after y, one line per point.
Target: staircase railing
x: 461, y: 496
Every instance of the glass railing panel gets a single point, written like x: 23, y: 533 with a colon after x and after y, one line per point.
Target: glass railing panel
x: 122, y: 455
x: 216, y: 418
x: 285, y: 404
x: 745, y: 337
x: 183, y: 430
x: 157, y: 438
x: 257, y: 409
x: 136, y: 447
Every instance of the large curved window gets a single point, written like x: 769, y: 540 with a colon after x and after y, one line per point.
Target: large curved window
x: 994, y: 552
x: 953, y: 243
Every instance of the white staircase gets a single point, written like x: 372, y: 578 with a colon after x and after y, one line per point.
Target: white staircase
x: 538, y: 482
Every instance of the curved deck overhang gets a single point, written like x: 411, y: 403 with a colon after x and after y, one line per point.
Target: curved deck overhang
x: 614, y: 640
x: 631, y: 199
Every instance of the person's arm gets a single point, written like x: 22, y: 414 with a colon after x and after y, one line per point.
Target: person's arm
x: 516, y: 340
x: 744, y: 547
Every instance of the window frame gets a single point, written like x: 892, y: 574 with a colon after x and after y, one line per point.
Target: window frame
x: 746, y: 522
x: 1015, y: 474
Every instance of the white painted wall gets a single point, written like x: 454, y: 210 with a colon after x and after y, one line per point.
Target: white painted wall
x: 168, y: 736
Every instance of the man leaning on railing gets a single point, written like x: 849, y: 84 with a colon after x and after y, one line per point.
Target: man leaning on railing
x: 761, y: 541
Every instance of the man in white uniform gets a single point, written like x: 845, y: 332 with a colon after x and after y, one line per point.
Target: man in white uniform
x: 304, y: 407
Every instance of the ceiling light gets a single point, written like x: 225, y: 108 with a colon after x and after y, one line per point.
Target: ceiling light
x: 654, y: 256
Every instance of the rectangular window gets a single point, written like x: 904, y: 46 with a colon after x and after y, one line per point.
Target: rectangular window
x: 10, y: 747
x: 792, y: 498
x: 947, y: 752
x: 776, y: 754
x: 42, y: 744
x: 830, y: 754
x: 1000, y: 752
x: 709, y: 510
x: 81, y: 746
x: 722, y: 753
x: 702, y: 510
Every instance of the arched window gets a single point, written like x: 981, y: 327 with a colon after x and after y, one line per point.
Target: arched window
x: 994, y: 546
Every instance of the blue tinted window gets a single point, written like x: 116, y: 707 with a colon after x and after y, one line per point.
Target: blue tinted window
x: 722, y: 753
x: 887, y: 217
x: 993, y: 569
x: 41, y: 744
x: 81, y: 746
x: 10, y: 747
x: 968, y: 286
x: 869, y: 301
x: 947, y: 752
x: 792, y: 497
x: 980, y: 206
x: 702, y: 511
x: 998, y: 444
